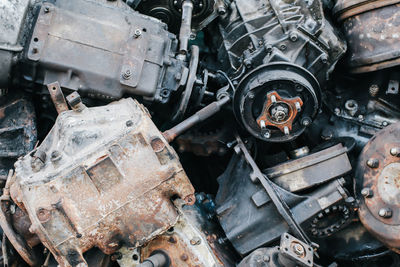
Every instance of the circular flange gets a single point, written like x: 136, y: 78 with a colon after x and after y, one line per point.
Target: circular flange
x: 289, y: 82
x: 378, y: 186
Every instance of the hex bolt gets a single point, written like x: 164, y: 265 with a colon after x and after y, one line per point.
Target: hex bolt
x: 306, y: 121
x: 273, y: 99
x: 127, y: 74
x: 395, y: 151
x: 373, y: 163
x: 367, y: 192
x: 298, y: 249
x: 267, y: 134
x: 137, y: 33
x: 385, y: 213
x: 46, y: 9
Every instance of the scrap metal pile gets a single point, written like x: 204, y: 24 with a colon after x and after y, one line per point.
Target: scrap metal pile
x: 199, y: 133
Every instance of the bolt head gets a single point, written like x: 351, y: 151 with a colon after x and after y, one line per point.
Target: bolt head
x: 305, y: 122
x: 267, y: 134
x: 385, y: 213
x: 367, y: 192
x: 395, y: 151
x: 298, y: 249
x: 137, y: 33
x: 373, y: 163
x: 127, y: 74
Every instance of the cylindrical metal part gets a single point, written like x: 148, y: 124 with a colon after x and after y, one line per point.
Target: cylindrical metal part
x: 186, y: 26
x: 159, y: 259
x: 198, y: 117
x: 372, y: 33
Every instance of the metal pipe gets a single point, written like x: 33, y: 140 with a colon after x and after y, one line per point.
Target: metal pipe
x: 158, y: 259
x: 186, y: 26
x: 194, y: 62
x: 198, y: 117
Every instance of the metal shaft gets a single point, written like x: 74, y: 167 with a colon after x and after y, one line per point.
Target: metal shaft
x: 157, y: 260
x: 198, y: 117
x: 186, y: 26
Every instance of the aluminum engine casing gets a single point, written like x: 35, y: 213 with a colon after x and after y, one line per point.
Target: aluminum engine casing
x: 107, y: 180
x: 295, y: 31
x: 102, y: 50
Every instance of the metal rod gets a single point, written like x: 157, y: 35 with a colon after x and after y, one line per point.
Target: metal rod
x: 198, y: 117
x: 157, y: 260
x: 186, y: 26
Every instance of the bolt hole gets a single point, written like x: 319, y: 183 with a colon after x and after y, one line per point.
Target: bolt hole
x: 286, y: 249
x: 144, y: 30
x: 135, y: 257
x: 35, y: 39
x: 54, y: 88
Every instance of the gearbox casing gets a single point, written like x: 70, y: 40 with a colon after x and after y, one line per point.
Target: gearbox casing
x: 101, y: 50
x: 106, y: 180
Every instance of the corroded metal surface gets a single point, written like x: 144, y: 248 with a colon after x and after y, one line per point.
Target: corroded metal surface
x: 57, y: 97
x: 378, y: 184
x: 107, y: 180
x: 348, y: 8
x: 372, y: 35
x: 192, y: 242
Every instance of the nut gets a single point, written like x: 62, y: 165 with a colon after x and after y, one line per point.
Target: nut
x: 298, y: 249
x: 367, y: 192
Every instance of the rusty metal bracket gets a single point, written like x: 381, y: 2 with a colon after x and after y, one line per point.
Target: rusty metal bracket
x: 57, y: 97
